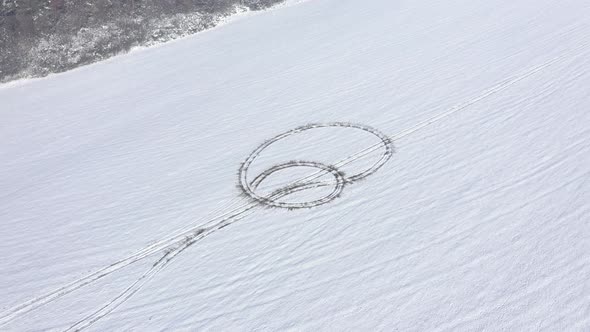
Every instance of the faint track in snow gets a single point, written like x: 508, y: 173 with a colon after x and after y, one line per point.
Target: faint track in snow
x: 249, y: 188
x: 195, y: 233
x: 150, y: 250
x: 158, y: 266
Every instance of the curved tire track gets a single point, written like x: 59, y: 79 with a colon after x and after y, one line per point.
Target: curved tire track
x: 249, y: 187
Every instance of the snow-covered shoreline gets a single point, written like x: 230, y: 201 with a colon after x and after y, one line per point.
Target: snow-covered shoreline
x: 29, y: 51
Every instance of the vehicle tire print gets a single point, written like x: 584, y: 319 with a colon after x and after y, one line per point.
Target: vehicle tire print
x: 340, y: 179
x: 177, y: 243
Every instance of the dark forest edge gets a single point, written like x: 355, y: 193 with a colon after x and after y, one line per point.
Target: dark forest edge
x: 39, y: 37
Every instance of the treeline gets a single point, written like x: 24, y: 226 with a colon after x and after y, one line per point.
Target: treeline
x: 38, y: 37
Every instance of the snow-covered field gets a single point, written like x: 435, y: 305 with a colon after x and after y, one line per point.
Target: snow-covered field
x: 478, y: 220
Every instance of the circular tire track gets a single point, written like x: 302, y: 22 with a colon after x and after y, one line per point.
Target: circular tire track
x: 340, y: 180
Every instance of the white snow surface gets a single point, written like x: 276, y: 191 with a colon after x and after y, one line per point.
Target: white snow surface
x: 479, y: 221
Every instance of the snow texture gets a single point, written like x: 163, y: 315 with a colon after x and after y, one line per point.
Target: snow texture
x: 147, y: 192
